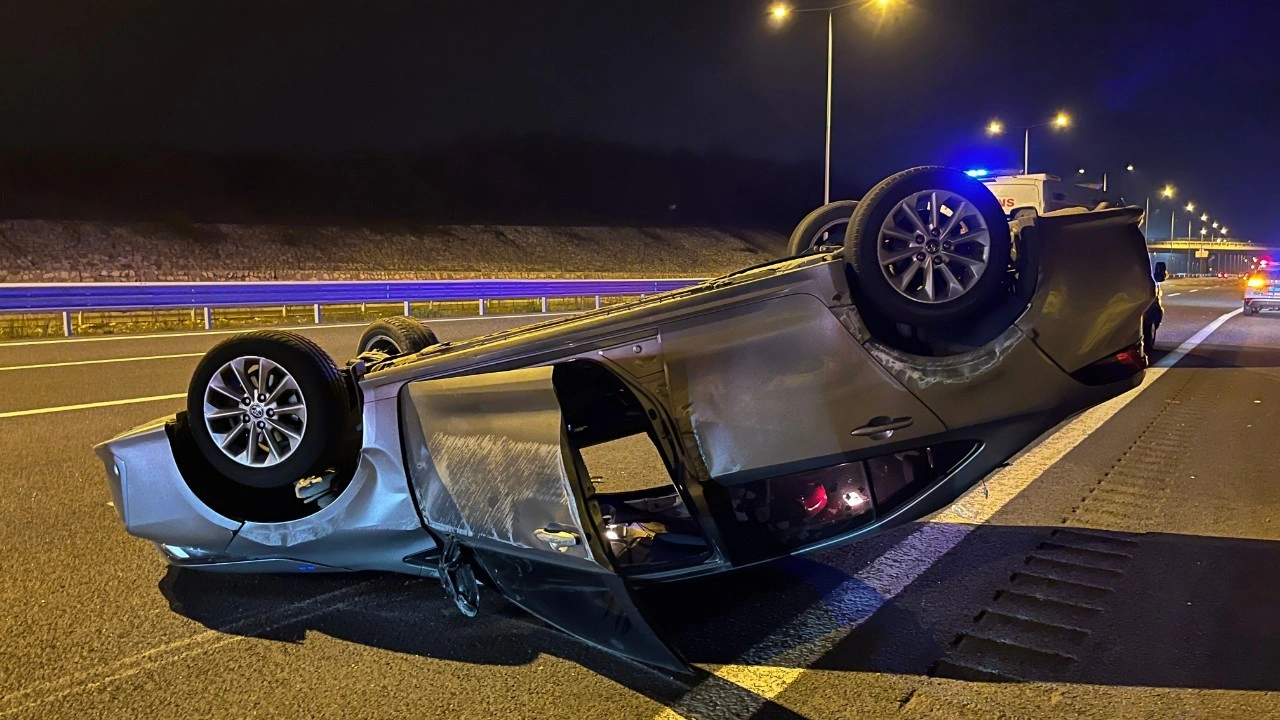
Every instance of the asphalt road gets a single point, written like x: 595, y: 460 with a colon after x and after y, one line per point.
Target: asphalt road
x: 1128, y: 566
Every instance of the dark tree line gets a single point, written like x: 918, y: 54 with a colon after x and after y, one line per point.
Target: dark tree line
x: 534, y: 179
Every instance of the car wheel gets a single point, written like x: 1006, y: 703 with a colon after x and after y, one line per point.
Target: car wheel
x: 830, y: 220
x: 929, y: 246
x: 267, y: 408
x: 399, y: 335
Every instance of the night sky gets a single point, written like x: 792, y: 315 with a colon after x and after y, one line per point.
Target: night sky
x: 1189, y: 92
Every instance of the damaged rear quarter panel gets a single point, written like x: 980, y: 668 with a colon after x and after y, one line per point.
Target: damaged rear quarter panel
x: 1009, y: 376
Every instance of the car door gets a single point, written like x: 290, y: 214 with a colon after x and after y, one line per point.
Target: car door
x: 781, y: 385
x: 487, y: 459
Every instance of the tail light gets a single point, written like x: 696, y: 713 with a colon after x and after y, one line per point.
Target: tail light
x: 1113, y: 368
x: 814, y: 500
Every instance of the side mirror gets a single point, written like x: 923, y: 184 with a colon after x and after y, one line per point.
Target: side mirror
x: 1162, y: 272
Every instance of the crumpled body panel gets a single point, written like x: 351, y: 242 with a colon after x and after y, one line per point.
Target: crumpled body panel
x: 487, y: 457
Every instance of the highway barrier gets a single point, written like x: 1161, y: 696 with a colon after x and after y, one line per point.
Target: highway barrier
x: 66, y: 298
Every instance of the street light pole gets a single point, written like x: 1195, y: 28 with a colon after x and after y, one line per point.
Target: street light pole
x: 1026, y: 151
x: 826, y: 168
x: 1146, y: 218
x: 780, y: 12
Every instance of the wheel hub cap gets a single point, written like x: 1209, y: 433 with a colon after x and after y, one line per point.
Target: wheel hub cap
x: 255, y: 411
x: 933, y: 246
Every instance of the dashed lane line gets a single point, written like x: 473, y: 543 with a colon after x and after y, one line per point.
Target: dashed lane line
x: 771, y: 666
x: 104, y: 361
x: 89, y: 406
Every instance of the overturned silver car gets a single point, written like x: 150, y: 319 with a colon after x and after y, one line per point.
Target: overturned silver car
x: 793, y: 406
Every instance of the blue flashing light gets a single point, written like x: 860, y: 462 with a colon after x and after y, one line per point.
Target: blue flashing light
x: 976, y: 172
x: 305, y: 568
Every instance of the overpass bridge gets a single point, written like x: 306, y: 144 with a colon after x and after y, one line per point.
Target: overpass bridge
x: 1196, y: 256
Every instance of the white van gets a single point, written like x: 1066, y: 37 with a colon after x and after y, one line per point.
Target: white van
x: 1040, y: 193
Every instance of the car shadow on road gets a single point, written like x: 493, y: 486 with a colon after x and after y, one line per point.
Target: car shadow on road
x: 395, y: 613
x: 1009, y: 604
x: 1052, y: 604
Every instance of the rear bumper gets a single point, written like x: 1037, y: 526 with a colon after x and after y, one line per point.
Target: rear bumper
x: 1263, y: 303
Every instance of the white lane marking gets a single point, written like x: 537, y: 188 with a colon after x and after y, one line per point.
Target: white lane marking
x: 98, y: 362
x: 88, y: 406
x: 1181, y: 351
x: 1174, y: 294
x: 334, y: 326
x: 773, y: 664
x: 1196, y: 290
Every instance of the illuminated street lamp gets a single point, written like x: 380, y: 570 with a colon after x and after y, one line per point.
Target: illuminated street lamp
x: 779, y: 14
x: 1129, y: 167
x: 1190, y: 206
x: 1204, y: 217
x: 1166, y: 192
x: 1061, y: 121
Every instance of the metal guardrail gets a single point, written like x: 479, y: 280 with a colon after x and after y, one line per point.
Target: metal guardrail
x: 72, y: 297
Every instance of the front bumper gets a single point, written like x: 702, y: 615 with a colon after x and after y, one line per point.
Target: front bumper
x: 372, y: 525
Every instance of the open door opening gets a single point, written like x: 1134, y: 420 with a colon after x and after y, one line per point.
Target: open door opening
x: 612, y: 441
x: 494, y: 479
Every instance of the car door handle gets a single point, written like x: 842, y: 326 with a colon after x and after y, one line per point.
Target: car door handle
x: 882, y: 427
x: 558, y: 539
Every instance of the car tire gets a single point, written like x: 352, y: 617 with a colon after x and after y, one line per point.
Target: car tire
x: 400, y: 335
x: 901, y: 258
x: 297, y: 410
x: 830, y: 219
